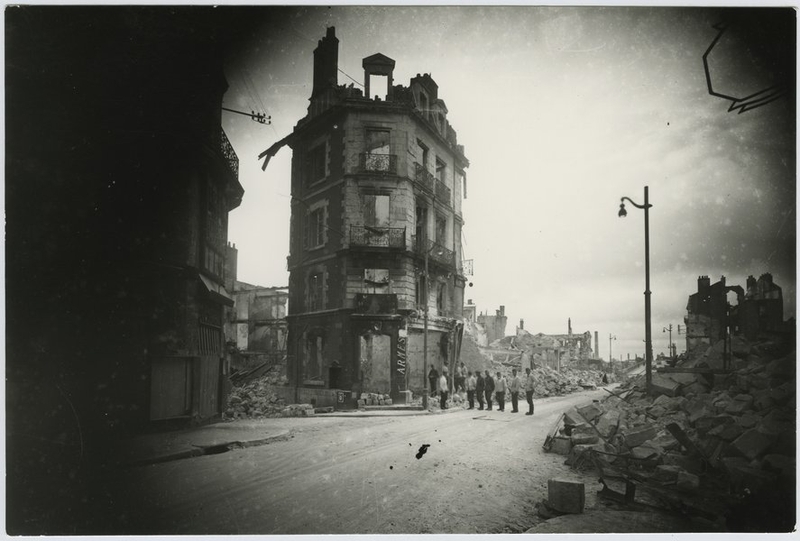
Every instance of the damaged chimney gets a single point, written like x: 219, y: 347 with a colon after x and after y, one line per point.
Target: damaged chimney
x: 326, y: 62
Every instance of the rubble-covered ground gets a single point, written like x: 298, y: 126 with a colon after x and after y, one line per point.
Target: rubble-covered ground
x: 719, y: 448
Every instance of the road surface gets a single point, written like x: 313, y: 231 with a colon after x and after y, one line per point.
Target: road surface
x: 483, y: 472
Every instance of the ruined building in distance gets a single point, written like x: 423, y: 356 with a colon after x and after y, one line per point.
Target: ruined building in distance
x: 376, y: 190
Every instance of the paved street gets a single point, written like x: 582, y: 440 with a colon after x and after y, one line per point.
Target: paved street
x: 483, y: 472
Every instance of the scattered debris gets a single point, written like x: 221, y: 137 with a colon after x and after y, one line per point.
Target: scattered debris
x: 703, y: 442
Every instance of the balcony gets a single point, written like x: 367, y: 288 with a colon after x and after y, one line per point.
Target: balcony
x: 432, y: 184
x: 376, y: 303
x: 385, y: 164
x: 379, y: 237
x: 436, y: 252
x: 229, y: 154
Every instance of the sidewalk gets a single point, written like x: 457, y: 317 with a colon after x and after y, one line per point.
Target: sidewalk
x: 205, y: 440
x: 223, y: 436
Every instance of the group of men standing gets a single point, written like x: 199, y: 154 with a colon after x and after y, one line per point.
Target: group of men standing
x: 484, y: 386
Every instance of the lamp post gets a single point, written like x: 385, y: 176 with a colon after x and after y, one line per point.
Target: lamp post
x: 647, y: 333
x: 669, y: 330
x: 610, y: 359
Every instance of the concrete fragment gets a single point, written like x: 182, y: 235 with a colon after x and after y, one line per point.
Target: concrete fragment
x: 727, y: 432
x: 753, y: 443
x: 566, y: 496
x: 740, y: 404
x: 664, y: 385
x: 590, y: 412
x: 706, y: 424
x: 687, y: 463
x: 607, y: 423
x: 748, y: 420
x: 644, y: 452
x: 694, y: 389
x: 637, y: 436
x: 687, y: 482
x: 581, y: 438
x: 561, y: 445
x: 571, y: 417
x: 579, y: 450
x: 666, y: 473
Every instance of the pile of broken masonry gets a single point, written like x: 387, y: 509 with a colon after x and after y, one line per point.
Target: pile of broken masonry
x: 718, y: 447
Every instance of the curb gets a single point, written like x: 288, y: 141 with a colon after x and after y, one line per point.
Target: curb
x: 196, y: 450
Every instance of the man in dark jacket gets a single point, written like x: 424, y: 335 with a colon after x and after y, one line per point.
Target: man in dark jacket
x: 488, y: 383
x: 479, y: 388
x: 433, y: 377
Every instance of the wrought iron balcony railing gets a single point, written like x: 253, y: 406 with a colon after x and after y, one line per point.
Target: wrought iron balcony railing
x: 429, y: 182
x: 435, y: 251
x: 229, y: 154
x: 385, y: 164
x: 387, y: 237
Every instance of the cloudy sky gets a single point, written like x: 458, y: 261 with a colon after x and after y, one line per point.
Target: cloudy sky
x: 562, y: 111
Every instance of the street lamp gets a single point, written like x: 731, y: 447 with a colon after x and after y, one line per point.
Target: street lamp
x: 610, y: 338
x: 669, y: 330
x: 648, y: 336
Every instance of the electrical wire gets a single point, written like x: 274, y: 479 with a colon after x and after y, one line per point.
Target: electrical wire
x: 356, y: 82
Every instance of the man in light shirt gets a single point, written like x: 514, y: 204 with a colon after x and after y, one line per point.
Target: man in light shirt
x: 529, y: 390
x: 443, y: 390
x: 472, y: 383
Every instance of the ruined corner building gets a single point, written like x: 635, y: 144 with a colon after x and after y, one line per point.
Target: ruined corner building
x: 377, y: 183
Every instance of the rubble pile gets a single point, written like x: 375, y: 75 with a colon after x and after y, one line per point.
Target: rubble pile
x: 698, y: 433
x: 550, y: 382
x: 373, y: 399
x: 255, y: 399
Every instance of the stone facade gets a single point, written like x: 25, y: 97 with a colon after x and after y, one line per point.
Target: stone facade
x: 495, y: 326
x: 375, y: 218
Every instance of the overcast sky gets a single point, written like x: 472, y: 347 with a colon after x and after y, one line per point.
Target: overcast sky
x: 562, y: 111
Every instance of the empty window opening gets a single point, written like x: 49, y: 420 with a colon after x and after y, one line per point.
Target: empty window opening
x: 376, y: 210
x: 379, y: 87
x: 315, y: 230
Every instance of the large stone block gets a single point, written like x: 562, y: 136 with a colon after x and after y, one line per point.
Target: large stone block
x: 566, y: 496
x: 727, y: 432
x: 694, y: 388
x: 561, y: 445
x: 688, y: 463
x: 590, y: 412
x: 740, y: 404
x: 637, y: 436
x: 663, y: 385
x: 608, y: 422
x: 753, y: 443
x: 688, y: 482
x: 706, y: 424
x: 667, y: 473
